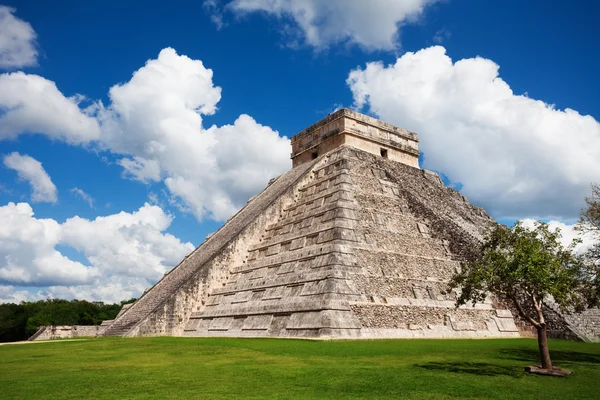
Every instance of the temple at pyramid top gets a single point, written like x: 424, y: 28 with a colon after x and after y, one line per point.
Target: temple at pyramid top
x: 347, y: 127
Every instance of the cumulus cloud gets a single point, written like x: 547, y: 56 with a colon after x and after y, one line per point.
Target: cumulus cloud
x: 10, y: 294
x: 516, y: 156
x: 373, y: 25
x: 17, y: 41
x: 140, y: 169
x: 125, y: 252
x: 83, y: 196
x: 154, y: 122
x: 111, y: 289
x: 127, y: 244
x: 32, y: 104
x: 31, y: 170
x: 27, y: 250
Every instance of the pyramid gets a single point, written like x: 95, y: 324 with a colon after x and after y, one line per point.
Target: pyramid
x: 355, y: 241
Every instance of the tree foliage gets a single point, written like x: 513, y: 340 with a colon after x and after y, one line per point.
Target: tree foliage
x: 19, y: 321
x: 590, y: 222
x: 527, y: 267
x: 590, y: 215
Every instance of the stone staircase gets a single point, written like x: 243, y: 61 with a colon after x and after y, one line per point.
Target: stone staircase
x: 293, y: 281
x: 144, y: 306
x: 195, y: 261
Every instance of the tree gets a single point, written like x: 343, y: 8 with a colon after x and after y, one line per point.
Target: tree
x: 526, y: 267
x: 590, y: 222
x: 20, y: 321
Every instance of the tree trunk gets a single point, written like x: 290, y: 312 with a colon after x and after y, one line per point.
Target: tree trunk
x: 543, y: 346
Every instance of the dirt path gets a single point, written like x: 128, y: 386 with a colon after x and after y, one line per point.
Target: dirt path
x: 42, y: 341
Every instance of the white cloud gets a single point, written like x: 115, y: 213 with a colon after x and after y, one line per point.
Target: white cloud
x: 155, y: 122
x: 156, y: 119
x: 83, y: 196
x: 112, y: 289
x: 29, y: 169
x: 518, y: 157
x: 373, y: 24
x: 568, y: 233
x: 140, y: 169
x: 9, y: 294
x: 126, y: 252
x: 216, y: 15
x: 127, y: 244
x: 441, y: 36
x: 28, y: 254
x: 17, y: 41
x: 32, y: 104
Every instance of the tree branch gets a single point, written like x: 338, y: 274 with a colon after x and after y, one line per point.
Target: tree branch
x: 538, y: 308
x: 522, y: 312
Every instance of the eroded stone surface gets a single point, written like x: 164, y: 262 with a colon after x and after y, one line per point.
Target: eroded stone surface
x: 48, y: 332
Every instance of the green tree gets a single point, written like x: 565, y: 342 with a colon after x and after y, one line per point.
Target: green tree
x: 12, y: 322
x: 526, y: 267
x: 20, y: 321
x: 590, y: 222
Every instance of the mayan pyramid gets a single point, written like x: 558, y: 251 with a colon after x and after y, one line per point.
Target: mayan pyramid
x: 356, y: 241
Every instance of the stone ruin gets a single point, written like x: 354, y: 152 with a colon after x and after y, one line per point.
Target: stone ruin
x: 48, y: 332
x: 356, y: 241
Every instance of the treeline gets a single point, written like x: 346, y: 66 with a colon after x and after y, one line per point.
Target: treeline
x: 20, y: 321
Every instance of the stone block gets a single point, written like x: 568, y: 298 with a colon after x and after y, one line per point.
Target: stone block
x: 463, y: 326
x: 344, y: 234
x: 257, y: 322
x: 220, y: 324
x: 287, y: 268
x: 506, y: 324
x: 272, y: 250
x: 305, y: 320
x: 274, y: 293
x: 326, y: 236
x: 504, y: 314
x: 242, y: 297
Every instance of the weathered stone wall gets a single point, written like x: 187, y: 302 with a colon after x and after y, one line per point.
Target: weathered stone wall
x: 346, y: 127
x: 48, y: 332
x: 408, y: 225
x: 586, y: 324
x: 419, y: 317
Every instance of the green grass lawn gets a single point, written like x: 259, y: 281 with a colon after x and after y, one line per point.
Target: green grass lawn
x: 169, y: 368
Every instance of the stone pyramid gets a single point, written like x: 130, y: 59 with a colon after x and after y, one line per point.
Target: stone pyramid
x: 354, y: 242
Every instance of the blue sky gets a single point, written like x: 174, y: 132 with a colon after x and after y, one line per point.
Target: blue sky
x: 523, y: 140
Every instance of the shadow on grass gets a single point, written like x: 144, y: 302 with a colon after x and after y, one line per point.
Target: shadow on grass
x: 533, y: 356
x: 473, y: 368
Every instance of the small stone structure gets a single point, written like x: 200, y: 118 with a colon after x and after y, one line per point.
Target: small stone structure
x: 354, y: 242
x: 347, y: 127
x: 48, y: 332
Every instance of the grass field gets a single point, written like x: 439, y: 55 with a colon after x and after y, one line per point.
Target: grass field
x: 176, y: 368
